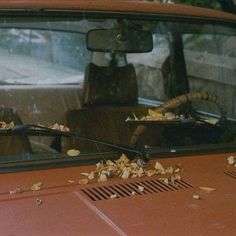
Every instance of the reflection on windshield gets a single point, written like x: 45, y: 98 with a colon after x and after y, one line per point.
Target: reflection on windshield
x: 41, y: 57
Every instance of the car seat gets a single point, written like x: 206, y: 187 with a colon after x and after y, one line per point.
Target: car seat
x: 110, y: 95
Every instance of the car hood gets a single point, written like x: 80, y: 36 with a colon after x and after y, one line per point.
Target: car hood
x: 68, y: 208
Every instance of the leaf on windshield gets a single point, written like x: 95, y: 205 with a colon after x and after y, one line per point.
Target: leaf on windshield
x: 207, y: 189
x: 4, y: 125
x: 59, y: 127
x: 36, y: 186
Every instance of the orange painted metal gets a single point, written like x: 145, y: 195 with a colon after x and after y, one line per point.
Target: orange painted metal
x: 66, y: 210
x: 118, y: 6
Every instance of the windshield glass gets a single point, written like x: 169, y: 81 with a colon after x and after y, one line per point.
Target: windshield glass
x: 178, y: 96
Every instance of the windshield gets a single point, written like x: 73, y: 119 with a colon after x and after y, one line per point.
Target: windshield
x: 177, y: 96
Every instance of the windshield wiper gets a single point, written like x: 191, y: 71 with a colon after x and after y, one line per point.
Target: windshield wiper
x: 32, y: 129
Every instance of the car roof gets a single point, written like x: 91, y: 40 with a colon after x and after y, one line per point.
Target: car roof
x: 116, y: 6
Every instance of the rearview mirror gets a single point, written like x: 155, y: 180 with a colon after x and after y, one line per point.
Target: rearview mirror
x: 113, y: 40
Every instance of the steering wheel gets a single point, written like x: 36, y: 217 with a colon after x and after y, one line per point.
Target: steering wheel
x: 178, y: 101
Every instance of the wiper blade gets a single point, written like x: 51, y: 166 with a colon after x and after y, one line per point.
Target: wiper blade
x: 42, y: 130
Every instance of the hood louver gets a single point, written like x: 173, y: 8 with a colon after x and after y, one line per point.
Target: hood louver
x: 128, y: 189
x: 231, y: 173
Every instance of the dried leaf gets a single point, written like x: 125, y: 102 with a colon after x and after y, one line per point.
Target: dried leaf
x: 207, y: 189
x: 73, y: 152
x: 102, y: 178
x: 155, y: 115
x: 125, y: 174
x: 60, y: 127
x: 150, y: 173
x: 110, y: 163
x: 169, y: 170
x: 36, y: 186
x: 113, y: 196
x: 177, y: 170
x: 166, y: 181
x: 83, y: 181
x: 159, y: 167
x: 135, y: 117
x: 91, y: 176
x: 231, y: 160
x: 140, y: 172
x: 140, y: 188
x: 196, y: 197
x: 4, y: 125
x: 123, y: 159
x: 70, y: 181
x: 85, y: 174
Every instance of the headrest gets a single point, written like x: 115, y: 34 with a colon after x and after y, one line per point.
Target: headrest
x: 110, y: 85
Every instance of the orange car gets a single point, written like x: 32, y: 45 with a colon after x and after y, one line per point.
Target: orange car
x: 117, y: 118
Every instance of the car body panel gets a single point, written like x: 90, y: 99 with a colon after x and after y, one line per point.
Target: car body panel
x: 63, y: 206
x: 67, y: 210
x: 116, y: 6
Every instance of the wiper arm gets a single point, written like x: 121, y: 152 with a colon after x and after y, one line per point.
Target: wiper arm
x: 42, y: 130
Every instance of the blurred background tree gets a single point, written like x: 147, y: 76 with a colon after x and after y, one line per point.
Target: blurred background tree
x: 226, y: 5
x: 200, y: 3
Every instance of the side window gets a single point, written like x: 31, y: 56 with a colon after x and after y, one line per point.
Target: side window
x: 211, y: 66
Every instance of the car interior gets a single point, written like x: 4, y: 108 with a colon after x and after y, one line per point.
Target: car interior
x: 109, y: 96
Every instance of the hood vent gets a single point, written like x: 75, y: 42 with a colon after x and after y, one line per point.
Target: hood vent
x: 131, y: 189
x: 231, y: 173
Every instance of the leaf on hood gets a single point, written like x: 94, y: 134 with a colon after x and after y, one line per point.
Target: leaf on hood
x: 196, y: 197
x: 83, y: 181
x: 207, y: 189
x: 36, y: 186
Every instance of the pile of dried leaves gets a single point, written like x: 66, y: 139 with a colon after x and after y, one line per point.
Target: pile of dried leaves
x: 4, y: 125
x: 124, y: 168
x: 155, y: 116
